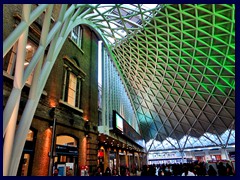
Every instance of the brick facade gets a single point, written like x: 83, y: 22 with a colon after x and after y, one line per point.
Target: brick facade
x: 64, y: 114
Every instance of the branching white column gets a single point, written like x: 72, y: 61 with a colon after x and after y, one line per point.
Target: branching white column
x: 8, y: 141
x: 19, y: 69
x: 7, y: 44
x: 13, y: 144
x: 13, y: 37
x: 35, y: 93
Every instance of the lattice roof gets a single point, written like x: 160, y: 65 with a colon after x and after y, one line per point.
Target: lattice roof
x: 179, y: 68
x: 177, y: 62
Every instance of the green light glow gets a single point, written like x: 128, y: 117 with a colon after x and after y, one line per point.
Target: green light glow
x: 189, y: 49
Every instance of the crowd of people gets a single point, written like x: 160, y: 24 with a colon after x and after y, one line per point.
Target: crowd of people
x: 114, y: 172
x: 188, y: 169
x: 181, y: 169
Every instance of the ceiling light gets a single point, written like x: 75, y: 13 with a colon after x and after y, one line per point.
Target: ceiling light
x: 28, y: 46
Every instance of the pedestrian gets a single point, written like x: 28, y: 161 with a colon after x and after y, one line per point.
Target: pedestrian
x: 107, y: 172
x: 186, y: 172
x: 115, y: 172
x: 56, y: 172
x: 229, y: 170
x: 211, y: 171
x: 222, y: 170
x: 127, y: 172
x: 99, y: 172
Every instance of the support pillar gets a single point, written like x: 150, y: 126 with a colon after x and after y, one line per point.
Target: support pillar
x: 117, y: 159
x: 106, y: 158
x: 224, y: 154
x: 207, y: 155
x: 126, y: 158
x: 182, y: 155
x: 138, y: 162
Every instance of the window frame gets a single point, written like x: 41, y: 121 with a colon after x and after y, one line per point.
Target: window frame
x: 71, y: 67
x: 11, y: 59
x: 78, y: 32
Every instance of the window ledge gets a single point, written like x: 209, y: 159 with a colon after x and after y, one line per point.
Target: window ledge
x: 70, y: 106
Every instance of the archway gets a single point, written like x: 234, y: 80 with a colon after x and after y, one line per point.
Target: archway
x: 66, y: 154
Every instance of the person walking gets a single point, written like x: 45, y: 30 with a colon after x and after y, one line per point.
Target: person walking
x: 211, y: 171
x: 107, y: 172
x: 115, y: 173
x: 99, y: 172
x: 186, y: 172
x: 222, y: 170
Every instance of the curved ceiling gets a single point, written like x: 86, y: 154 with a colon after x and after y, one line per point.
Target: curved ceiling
x: 118, y: 22
x: 178, y: 63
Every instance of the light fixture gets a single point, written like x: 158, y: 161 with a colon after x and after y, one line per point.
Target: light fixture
x: 71, y: 121
x: 86, y: 134
x: 51, y: 124
x: 28, y: 46
x: 51, y: 112
x: 87, y: 125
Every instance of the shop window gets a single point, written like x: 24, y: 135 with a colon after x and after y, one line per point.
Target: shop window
x: 77, y: 36
x: 216, y: 157
x: 11, y: 57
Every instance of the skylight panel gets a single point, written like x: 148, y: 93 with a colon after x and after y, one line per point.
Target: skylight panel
x: 149, y: 6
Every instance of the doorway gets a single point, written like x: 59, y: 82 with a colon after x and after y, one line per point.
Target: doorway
x: 26, y: 161
x: 66, y: 155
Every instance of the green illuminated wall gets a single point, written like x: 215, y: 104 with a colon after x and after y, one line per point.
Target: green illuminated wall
x: 180, y: 70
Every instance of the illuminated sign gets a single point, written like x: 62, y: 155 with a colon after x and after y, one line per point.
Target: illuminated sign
x: 119, y: 122
x: 120, y: 125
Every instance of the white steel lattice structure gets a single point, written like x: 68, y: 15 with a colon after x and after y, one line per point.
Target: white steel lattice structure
x: 114, y: 96
x: 177, y: 63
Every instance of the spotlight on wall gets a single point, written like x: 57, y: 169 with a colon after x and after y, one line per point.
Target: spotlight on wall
x: 71, y: 121
x: 51, y: 112
x: 51, y: 124
x: 87, y: 125
x: 86, y: 134
x: 95, y: 128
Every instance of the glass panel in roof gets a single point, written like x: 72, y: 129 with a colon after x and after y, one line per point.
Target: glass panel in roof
x: 173, y: 142
x: 104, y: 9
x: 149, y: 6
x: 127, y: 15
x: 195, y: 141
x: 232, y: 138
x: 167, y: 145
x: 224, y: 136
x: 205, y: 141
